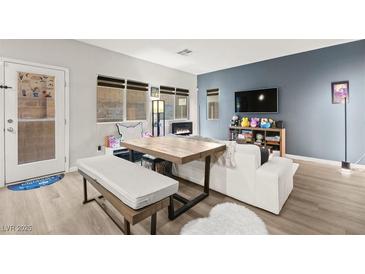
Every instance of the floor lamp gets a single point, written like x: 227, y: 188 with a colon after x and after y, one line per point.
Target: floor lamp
x: 340, y: 95
x: 346, y: 164
x: 158, y: 117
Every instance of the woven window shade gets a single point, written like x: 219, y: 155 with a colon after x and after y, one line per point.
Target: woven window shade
x: 136, y: 100
x: 110, y: 99
x: 182, y: 92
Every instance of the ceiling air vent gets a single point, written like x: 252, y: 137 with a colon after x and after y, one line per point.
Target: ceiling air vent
x: 185, y: 52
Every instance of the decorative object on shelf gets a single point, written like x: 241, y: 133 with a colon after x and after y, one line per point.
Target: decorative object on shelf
x: 155, y: 93
x: 279, y: 124
x: 340, y: 95
x: 246, y: 135
x: 113, y: 141
x: 259, y: 139
x: 235, y: 120
x: 245, y: 122
x: 272, y: 123
x: 264, y: 123
x: 275, y: 138
x: 254, y: 122
x: 158, y: 118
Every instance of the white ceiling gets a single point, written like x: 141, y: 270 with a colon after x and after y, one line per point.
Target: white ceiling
x: 210, y: 55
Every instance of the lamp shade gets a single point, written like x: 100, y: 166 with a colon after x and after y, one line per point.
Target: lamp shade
x: 158, y: 106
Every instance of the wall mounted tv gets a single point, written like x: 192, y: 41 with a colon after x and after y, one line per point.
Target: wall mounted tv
x: 257, y: 101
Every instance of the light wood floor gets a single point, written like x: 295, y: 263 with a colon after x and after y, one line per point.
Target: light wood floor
x: 323, y: 202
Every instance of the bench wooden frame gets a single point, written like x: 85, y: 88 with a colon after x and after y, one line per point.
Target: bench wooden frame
x: 131, y: 216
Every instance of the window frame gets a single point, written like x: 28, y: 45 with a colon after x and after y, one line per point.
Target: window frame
x: 169, y: 91
x: 175, y: 92
x: 185, y: 93
x: 212, y: 90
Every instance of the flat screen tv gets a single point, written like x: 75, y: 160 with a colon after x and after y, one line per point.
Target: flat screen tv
x: 257, y: 101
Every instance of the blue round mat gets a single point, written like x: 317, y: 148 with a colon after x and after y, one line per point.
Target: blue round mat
x: 36, y: 183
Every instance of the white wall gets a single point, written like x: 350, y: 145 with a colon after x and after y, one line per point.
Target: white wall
x: 85, y: 62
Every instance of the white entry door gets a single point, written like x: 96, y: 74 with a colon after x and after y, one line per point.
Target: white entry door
x: 34, y: 104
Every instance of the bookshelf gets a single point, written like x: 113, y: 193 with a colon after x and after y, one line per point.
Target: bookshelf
x: 272, y: 133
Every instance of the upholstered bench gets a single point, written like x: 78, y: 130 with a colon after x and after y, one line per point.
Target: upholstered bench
x: 135, y: 192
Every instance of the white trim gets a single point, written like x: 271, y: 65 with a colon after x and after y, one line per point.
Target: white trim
x: 2, y: 126
x: 72, y: 169
x: 67, y: 100
x: 21, y: 62
x: 67, y: 119
x: 322, y: 161
x: 109, y: 123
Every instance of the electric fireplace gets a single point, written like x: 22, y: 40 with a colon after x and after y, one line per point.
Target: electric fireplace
x: 182, y: 128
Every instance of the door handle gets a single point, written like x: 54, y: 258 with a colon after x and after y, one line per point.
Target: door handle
x: 4, y: 87
x: 10, y: 129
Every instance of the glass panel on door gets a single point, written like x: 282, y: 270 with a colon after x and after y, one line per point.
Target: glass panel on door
x: 36, y: 117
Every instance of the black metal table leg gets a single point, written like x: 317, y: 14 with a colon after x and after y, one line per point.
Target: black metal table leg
x: 187, y: 204
x: 85, y: 190
x: 207, y: 174
x: 131, y: 155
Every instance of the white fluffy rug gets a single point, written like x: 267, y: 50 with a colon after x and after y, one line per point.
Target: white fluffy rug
x: 226, y: 219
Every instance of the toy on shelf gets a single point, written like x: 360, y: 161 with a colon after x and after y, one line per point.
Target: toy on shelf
x: 259, y: 139
x: 235, y: 121
x: 272, y: 123
x: 254, y: 122
x: 265, y: 123
x: 245, y: 122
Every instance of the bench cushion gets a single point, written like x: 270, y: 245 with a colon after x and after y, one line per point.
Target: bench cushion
x: 134, y: 185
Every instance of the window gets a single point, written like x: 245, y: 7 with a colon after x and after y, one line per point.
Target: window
x: 181, y: 103
x: 110, y: 99
x: 168, y: 95
x: 213, y: 104
x: 136, y: 100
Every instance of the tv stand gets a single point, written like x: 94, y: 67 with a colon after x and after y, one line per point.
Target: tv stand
x: 278, y: 145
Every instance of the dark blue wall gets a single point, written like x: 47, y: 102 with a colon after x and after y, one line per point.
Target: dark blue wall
x: 315, y: 127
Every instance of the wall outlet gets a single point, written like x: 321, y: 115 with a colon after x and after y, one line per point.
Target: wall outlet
x: 99, y: 147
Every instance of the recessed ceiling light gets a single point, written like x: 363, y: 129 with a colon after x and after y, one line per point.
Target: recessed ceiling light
x: 185, y: 52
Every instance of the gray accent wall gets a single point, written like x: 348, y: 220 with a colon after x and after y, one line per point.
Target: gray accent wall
x: 315, y: 127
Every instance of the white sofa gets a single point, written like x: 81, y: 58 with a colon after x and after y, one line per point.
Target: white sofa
x: 265, y: 186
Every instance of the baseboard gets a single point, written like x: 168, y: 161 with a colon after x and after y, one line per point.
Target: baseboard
x: 72, y: 169
x: 322, y: 161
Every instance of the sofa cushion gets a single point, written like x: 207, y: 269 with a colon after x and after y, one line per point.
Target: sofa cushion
x: 252, y: 150
x: 265, y: 153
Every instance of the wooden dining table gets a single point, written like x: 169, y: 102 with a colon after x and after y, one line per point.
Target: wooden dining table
x: 178, y: 150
